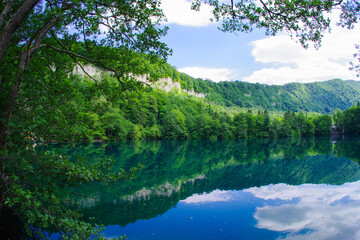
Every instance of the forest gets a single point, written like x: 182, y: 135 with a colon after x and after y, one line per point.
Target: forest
x: 43, y: 101
x: 321, y: 97
x: 156, y: 114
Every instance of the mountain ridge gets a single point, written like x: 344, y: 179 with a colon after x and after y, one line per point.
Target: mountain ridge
x: 321, y: 97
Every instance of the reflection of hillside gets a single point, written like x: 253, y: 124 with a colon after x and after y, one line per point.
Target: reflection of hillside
x: 122, y: 210
x: 166, y: 189
x: 175, y: 170
x: 348, y: 148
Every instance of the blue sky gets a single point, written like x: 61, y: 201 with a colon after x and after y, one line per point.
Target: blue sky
x: 207, y: 47
x: 201, y: 50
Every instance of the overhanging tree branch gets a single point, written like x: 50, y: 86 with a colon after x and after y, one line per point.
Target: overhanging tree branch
x: 5, y: 12
x: 13, y: 24
x: 95, y: 62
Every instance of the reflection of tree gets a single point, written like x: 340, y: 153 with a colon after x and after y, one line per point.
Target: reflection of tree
x: 348, y: 148
x: 174, y: 170
x: 115, y: 209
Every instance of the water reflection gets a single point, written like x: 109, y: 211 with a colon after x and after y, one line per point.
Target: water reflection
x: 320, y: 212
x: 294, y: 188
x: 307, y: 211
x: 214, y: 196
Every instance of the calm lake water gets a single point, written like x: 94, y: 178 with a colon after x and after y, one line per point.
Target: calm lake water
x: 305, y: 188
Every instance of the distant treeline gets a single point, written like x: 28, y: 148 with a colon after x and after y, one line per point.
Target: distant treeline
x: 156, y: 114
x: 348, y: 121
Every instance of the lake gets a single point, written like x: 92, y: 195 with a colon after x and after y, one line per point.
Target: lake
x: 296, y: 188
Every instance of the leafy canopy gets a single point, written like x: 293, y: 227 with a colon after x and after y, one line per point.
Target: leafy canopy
x: 305, y: 20
x: 39, y: 48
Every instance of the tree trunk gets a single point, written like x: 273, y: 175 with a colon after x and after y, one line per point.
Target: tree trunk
x: 13, y: 24
x: 8, y: 107
x: 6, y: 114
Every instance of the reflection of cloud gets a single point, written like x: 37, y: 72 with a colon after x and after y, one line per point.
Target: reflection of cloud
x: 214, y: 196
x: 320, y: 212
x: 308, y: 192
x: 312, y: 221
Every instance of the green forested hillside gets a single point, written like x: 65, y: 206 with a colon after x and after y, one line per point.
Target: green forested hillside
x: 321, y: 97
x: 356, y: 84
x: 41, y: 101
x: 151, y: 113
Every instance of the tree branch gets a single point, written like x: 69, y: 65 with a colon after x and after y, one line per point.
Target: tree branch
x: 83, y: 69
x: 272, y: 12
x: 5, y: 12
x: 95, y: 62
x: 76, y: 61
x: 11, y: 27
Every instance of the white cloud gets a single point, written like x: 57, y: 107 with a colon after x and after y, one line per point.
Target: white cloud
x: 319, y: 212
x: 179, y: 12
x: 291, y: 63
x: 214, y: 196
x: 214, y: 74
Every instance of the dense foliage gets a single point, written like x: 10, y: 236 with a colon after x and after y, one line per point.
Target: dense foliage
x: 42, y: 101
x: 348, y: 121
x: 157, y: 114
x: 39, y: 48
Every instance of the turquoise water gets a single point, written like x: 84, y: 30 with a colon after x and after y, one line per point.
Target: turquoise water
x: 250, y: 189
